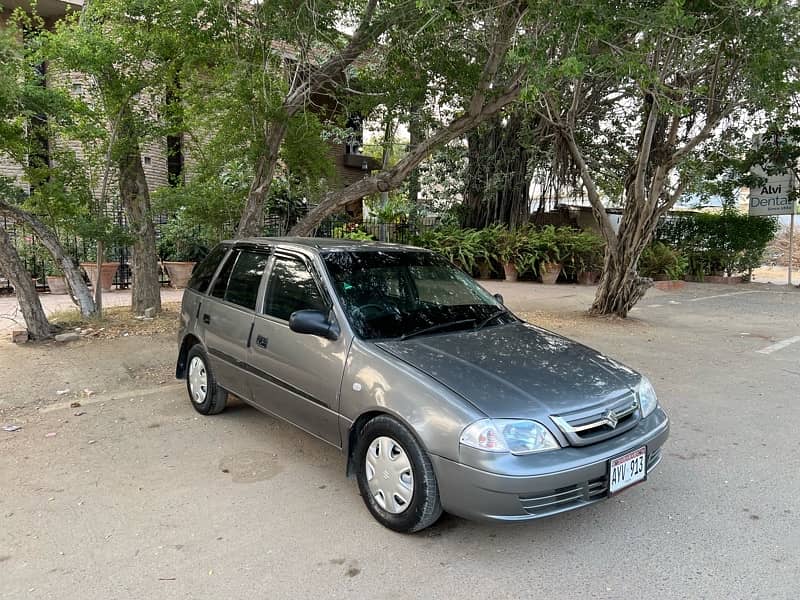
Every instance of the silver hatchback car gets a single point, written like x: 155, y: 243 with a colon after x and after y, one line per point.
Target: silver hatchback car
x: 440, y: 398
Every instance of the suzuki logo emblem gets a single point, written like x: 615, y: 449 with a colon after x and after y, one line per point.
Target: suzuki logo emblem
x: 611, y: 419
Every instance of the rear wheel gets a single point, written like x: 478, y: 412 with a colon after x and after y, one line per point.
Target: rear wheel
x: 395, y: 476
x: 206, y: 396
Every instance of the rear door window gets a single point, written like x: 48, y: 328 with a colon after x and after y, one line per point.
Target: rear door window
x: 204, y: 271
x: 245, y: 278
x: 291, y: 287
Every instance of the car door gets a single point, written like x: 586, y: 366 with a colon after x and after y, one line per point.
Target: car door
x: 296, y: 376
x: 227, y: 316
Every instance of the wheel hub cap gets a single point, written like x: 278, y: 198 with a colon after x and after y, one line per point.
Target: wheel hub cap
x: 198, y: 380
x: 389, y: 475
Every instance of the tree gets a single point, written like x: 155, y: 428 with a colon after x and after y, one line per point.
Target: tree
x: 483, y: 82
x: 19, y: 100
x: 317, y: 61
x: 644, y: 92
x: 131, y: 52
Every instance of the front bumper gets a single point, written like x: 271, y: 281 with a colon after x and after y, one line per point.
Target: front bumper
x: 533, y: 486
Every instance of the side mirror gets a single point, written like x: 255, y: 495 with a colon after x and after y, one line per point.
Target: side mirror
x: 499, y: 298
x: 313, y: 322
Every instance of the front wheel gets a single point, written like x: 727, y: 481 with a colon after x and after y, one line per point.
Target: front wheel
x: 395, y: 476
x: 206, y: 396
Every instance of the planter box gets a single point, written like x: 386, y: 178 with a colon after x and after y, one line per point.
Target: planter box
x: 179, y: 273
x: 57, y: 284
x: 107, y: 272
x: 716, y: 279
x: 667, y: 285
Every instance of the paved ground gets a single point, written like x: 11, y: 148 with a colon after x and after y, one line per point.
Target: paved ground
x: 141, y: 498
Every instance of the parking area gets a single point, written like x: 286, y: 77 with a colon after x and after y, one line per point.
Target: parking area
x: 134, y: 495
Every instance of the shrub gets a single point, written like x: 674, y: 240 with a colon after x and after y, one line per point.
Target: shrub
x: 719, y: 243
x: 581, y: 251
x: 462, y: 247
x: 659, y: 259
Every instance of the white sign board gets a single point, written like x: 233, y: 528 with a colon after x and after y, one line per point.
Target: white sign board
x: 772, y: 197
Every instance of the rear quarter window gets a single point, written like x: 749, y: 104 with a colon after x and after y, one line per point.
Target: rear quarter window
x: 204, y: 271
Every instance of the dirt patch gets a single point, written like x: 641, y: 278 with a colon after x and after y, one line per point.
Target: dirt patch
x: 36, y: 375
x: 118, y: 321
x: 574, y: 320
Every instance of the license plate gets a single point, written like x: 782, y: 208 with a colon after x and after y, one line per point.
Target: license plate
x: 624, y: 471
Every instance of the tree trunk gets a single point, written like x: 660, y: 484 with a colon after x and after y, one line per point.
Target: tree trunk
x: 78, y: 288
x: 253, y: 213
x: 620, y: 287
x: 390, y: 179
x: 135, y: 197
x: 497, y: 188
x: 11, y: 266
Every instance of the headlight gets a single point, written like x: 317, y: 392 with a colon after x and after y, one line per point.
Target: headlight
x: 508, y: 435
x: 647, y: 397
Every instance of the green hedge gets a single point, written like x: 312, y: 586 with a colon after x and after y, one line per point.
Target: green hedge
x: 715, y: 244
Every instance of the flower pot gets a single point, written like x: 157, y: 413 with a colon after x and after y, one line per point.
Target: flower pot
x: 107, y: 272
x: 549, y: 272
x: 668, y: 285
x: 179, y: 273
x: 57, y: 284
x: 588, y: 277
x: 511, y: 272
x: 484, y: 270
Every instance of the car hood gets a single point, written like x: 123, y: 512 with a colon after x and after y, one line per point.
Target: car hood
x: 517, y: 370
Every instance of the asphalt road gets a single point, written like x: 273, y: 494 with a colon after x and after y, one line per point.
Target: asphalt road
x: 140, y: 497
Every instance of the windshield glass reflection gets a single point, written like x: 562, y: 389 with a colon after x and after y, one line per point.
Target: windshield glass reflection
x: 393, y: 294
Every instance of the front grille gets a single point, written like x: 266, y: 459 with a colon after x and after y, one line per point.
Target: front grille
x: 599, y: 423
x: 564, y: 498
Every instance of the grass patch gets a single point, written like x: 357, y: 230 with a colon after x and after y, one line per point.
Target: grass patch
x: 118, y: 321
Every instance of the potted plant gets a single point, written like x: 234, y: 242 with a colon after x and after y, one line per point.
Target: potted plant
x: 459, y: 246
x: 489, y: 241
x: 107, y: 272
x: 547, y: 243
x: 515, y: 253
x: 180, y: 246
x: 583, y: 256
x: 56, y: 282
x: 664, y: 265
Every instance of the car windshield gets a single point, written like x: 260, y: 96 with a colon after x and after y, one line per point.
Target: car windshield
x: 398, y: 294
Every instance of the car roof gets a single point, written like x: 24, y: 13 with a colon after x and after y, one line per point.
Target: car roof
x: 325, y: 244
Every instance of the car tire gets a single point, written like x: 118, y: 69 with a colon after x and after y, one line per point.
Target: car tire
x: 391, y: 446
x: 206, y: 396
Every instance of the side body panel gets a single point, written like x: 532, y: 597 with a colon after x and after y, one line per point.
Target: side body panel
x: 226, y: 335
x: 297, y: 376
x: 376, y: 381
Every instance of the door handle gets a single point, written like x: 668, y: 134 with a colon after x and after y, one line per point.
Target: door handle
x: 206, y: 319
x: 261, y: 341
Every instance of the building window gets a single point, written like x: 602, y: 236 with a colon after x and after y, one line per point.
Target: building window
x: 356, y: 139
x: 147, y: 161
x: 77, y: 89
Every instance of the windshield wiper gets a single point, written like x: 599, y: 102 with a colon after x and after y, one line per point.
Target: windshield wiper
x: 435, y: 328
x: 492, y: 317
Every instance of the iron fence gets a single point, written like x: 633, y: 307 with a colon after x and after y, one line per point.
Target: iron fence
x: 39, y: 263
